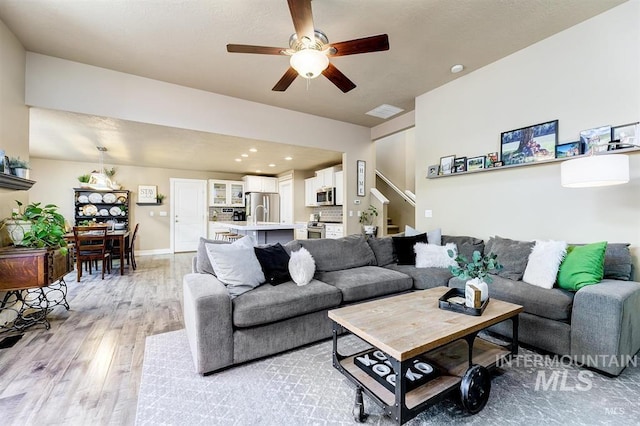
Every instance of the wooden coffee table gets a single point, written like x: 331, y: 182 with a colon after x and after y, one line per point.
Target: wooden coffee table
x: 412, y: 325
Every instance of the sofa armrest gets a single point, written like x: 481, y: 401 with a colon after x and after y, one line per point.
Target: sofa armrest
x: 208, y: 321
x: 605, y: 325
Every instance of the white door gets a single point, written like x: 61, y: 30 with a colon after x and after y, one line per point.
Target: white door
x: 188, y: 213
x: 286, y: 200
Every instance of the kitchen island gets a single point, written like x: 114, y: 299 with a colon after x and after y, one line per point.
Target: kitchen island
x: 265, y: 232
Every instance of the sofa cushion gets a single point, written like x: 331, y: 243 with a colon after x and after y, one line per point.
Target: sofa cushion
x: 513, y: 255
x: 366, y: 282
x: 555, y: 304
x: 341, y: 253
x: 275, y: 263
x: 383, y: 250
x: 236, y: 266
x: 433, y: 237
x: 544, y: 263
x: 203, y: 264
x: 423, y: 278
x: 466, y: 245
x: 583, y: 265
x: 617, y: 262
x: 267, y: 303
x: 435, y: 256
x: 403, y: 247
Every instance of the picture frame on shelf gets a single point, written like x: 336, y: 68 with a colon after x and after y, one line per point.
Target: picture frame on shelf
x: 595, y: 139
x: 498, y: 164
x: 432, y: 171
x: 627, y: 134
x: 529, y: 144
x: 460, y: 165
x: 476, y: 163
x: 492, y: 158
x: 361, y: 166
x: 148, y: 194
x: 446, y: 164
x: 569, y: 149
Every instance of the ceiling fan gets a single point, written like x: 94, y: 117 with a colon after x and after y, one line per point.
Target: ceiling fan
x: 310, y: 50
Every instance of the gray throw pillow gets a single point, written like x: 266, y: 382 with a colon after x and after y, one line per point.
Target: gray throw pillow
x: 383, y: 250
x: 203, y: 264
x: 513, y: 255
x: 236, y: 266
x: 466, y: 245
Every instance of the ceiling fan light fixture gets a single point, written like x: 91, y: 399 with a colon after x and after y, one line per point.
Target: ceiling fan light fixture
x: 309, y: 63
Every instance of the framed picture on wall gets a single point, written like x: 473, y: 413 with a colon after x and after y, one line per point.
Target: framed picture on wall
x: 446, y: 164
x: 570, y: 149
x: 626, y: 135
x: 476, y: 163
x: 595, y: 139
x: 460, y: 165
x: 147, y: 194
x: 529, y: 144
x: 432, y: 171
x: 361, y: 165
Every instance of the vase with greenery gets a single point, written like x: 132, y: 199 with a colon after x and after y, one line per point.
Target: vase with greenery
x: 84, y: 180
x: 46, y: 227
x: 19, y: 167
x: 367, y: 218
x: 160, y: 198
x: 476, y: 271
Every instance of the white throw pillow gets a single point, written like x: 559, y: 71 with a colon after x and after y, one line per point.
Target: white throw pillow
x: 434, y: 256
x: 302, y: 266
x: 433, y: 237
x: 544, y: 262
x: 236, y: 266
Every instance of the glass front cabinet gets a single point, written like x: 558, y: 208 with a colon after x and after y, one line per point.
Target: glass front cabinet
x: 226, y: 193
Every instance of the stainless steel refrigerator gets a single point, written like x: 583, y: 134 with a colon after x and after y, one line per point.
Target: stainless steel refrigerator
x: 267, y: 205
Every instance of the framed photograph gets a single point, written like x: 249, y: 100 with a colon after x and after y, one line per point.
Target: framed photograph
x: 446, y: 164
x: 432, y: 171
x: 626, y: 134
x: 498, y: 164
x: 570, y: 149
x: 595, y: 139
x: 5, y: 162
x: 147, y: 194
x: 460, y: 164
x: 476, y: 163
x: 492, y: 158
x: 362, y: 166
x: 529, y: 144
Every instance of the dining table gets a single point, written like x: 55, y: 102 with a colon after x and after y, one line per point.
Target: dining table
x: 119, y: 235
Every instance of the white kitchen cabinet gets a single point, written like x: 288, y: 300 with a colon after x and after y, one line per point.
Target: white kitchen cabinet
x: 260, y: 184
x: 339, y: 188
x: 326, y: 177
x: 301, y: 233
x: 226, y: 193
x: 334, y: 230
x: 310, y: 188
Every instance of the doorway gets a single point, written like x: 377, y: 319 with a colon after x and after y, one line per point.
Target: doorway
x: 188, y: 213
x: 285, y: 188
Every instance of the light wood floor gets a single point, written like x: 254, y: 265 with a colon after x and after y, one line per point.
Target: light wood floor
x: 86, y: 369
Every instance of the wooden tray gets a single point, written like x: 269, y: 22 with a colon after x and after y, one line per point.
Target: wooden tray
x: 445, y: 304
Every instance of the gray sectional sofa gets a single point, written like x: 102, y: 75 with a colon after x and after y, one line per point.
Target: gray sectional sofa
x: 601, y: 320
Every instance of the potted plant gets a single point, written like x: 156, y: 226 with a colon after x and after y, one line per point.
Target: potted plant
x: 476, y: 271
x: 160, y: 197
x: 84, y: 180
x: 19, y: 167
x: 366, y: 219
x: 41, y: 227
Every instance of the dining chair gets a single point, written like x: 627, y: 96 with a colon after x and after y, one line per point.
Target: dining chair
x: 91, y: 245
x: 128, y: 249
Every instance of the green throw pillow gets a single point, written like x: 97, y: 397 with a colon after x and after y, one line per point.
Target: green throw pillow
x: 583, y: 265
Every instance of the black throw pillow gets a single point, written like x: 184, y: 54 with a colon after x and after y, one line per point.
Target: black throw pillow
x: 403, y: 247
x: 275, y: 263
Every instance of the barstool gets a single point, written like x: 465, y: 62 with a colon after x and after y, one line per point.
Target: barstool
x: 221, y: 235
x: 233, y: 237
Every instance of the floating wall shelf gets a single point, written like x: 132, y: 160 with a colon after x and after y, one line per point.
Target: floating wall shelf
x: 14, y: 182
x: 149, y: 204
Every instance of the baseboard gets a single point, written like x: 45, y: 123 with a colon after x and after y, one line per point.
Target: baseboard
x: 152, y: 252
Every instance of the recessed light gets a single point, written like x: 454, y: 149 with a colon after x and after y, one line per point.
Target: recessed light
x: 258, y: 171
x: 272, y: 165
x: 238, y: 159
x: 384, y: 111
x: 244, y: 155
x: 288, y: 158
x: 253, y: 150
x: 457, y: 68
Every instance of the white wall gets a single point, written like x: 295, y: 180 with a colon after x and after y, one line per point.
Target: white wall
x: 395, y: 158
x: 14, y: 115
x: 586, y: 76
x: 70, y: 86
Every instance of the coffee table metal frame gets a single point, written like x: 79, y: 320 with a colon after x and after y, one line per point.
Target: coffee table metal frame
x: 396, y: 407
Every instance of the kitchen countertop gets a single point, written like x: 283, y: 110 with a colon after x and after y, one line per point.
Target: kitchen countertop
x: 260, y: 226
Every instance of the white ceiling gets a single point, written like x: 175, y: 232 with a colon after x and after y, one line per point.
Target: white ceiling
x: 184, y: 42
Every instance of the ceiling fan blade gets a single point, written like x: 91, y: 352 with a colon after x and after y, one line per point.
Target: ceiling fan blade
x: 302, y: 18
x: 339, y: 79
x: 263, y: 50
x: 375, y: 43
x: 286, y: 80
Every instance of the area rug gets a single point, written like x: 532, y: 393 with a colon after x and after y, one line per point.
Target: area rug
x: 301, y: 387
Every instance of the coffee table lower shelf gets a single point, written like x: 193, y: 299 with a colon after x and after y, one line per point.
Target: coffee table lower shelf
x: 452, y: 358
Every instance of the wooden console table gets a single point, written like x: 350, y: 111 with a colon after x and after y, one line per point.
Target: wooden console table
x: 33, y: 280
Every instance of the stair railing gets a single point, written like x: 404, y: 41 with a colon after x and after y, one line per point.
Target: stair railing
x: 409, y: 199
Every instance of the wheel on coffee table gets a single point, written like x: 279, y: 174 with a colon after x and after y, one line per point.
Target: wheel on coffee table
x: 358, y: 409
x: 475, y: 388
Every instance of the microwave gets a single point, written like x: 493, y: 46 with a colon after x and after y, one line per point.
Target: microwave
x: 325, y: 196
